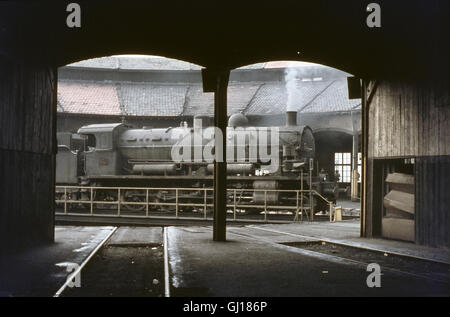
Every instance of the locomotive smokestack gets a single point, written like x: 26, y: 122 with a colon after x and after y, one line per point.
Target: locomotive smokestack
x: 291, y: 118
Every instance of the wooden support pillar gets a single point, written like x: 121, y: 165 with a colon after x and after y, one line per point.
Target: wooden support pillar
x: 217, y: 81
x: 27, y: 153
x: 364, y: 152
x: 354, y: 183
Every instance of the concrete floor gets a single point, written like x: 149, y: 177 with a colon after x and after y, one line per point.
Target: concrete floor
x: 253, y: 263
x: 348, y: 232
x: 350, y: 208
x: 37, y: 273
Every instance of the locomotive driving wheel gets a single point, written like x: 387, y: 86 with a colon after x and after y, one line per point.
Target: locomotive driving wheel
x: 133, y: 197
x: 107, y: 196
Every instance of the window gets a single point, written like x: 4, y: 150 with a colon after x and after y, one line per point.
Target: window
x: 343, y: 165
x: 90, y: 140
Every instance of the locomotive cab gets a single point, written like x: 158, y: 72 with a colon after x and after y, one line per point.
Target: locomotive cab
x: 102, y: 156
x: 66, y: 159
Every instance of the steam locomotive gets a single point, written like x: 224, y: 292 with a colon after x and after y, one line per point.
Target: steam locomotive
x: 118, y: 155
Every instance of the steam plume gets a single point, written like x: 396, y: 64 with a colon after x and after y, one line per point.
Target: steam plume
x: 291, y: 74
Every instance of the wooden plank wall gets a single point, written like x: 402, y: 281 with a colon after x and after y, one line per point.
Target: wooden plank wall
x: 409, y: 120
x: 413, y: 120
x: 432, y: 200
x: 27, y: 125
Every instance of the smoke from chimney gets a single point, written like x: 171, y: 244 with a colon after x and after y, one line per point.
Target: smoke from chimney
x: 290, y: 77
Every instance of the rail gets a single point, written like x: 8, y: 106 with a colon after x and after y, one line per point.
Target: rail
x: 144, y: 199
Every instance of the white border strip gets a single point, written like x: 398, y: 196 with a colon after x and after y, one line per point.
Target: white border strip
x: 166, y: 264
x: 58, y: 293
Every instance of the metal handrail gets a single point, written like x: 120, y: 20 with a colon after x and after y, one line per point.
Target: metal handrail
x: 299, y: 206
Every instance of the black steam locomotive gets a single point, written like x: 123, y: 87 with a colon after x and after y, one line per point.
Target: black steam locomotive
x: 118, y: 155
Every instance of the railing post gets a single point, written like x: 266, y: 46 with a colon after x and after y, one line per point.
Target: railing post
x: 205, y: 192
x: 301, y: 201
x: 92, y: 201
x: 118, y: 201
x: 265, y: 205
x: 65, y: 200
x: 176, y: 203
x: 311, y: 197
x: 234, y: 203
x: 146, y: 205
x: 331, y: 209
x: 296, y: 208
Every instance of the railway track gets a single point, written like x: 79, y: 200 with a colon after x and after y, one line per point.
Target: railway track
x: 338, y: 252
x: 136, y: 269
x: 85, y: 262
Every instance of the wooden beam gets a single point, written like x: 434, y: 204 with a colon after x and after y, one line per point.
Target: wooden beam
x: 354, y: 183
x: 364, y: 139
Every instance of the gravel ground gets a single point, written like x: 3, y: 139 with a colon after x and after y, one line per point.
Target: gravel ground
x: 123, y: 271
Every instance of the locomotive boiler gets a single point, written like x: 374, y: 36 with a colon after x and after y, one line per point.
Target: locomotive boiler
x: 119, y: 155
